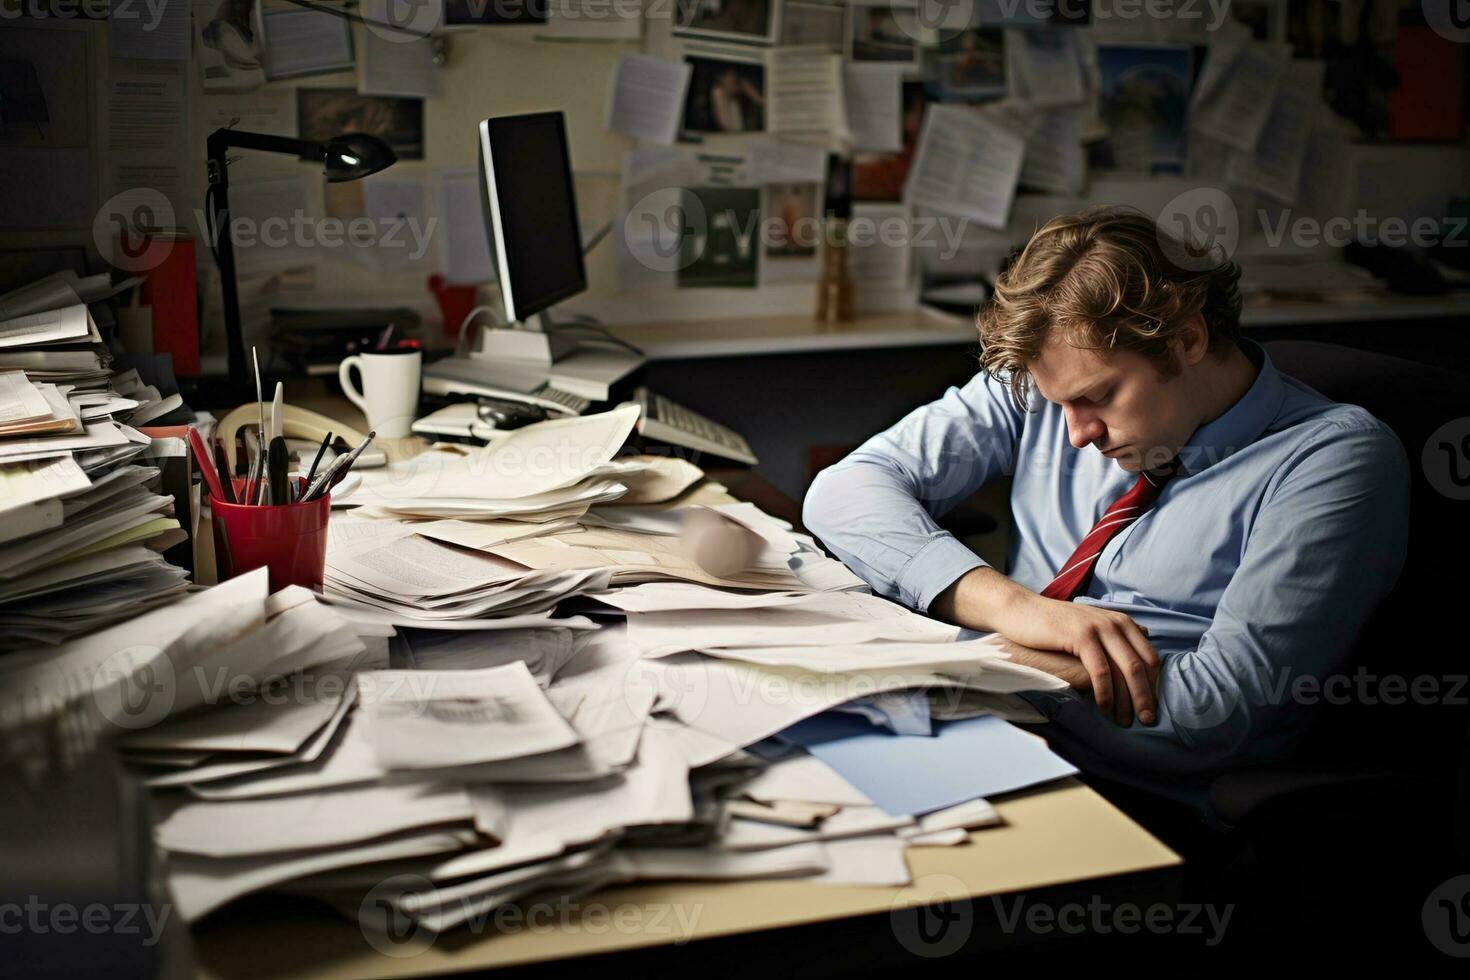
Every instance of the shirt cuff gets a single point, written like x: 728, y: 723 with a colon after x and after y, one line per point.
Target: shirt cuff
x: 935, y: 568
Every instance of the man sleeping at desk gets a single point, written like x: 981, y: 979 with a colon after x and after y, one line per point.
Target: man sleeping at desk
x: 1192, y: 529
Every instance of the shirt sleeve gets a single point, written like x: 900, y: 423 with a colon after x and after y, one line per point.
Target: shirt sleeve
x: 1321, y: 552
x: 876, y: 509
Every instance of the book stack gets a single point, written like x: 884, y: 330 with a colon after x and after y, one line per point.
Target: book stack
x: 82, y: 516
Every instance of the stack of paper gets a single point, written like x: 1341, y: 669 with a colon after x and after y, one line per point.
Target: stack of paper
x: 417, y: 579
x: 502, y: 767
x: 211, y: 649
x: 82, y: 518
x: 544, y: 472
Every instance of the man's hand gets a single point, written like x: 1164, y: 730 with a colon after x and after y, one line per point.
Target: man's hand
x: 1062, y: 665
x: 1122, y: 665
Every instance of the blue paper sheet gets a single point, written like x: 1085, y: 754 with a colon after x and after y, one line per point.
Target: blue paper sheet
x: 912, y: 774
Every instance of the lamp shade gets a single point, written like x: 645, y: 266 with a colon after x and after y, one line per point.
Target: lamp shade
x: 353, y: 156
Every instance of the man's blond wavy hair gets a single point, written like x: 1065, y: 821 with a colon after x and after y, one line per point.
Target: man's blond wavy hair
x: 1103, y: 277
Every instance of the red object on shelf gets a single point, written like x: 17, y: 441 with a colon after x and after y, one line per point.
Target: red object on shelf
x: 455, y: 303
x: 289, y: 539
x: 1429, y: 101
x: 170, y: 289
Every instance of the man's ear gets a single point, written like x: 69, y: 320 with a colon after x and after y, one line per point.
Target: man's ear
x: 1192, y: 341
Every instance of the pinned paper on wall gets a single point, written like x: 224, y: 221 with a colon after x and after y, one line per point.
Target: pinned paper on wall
x: 464, y: 249
x: 646, y: 98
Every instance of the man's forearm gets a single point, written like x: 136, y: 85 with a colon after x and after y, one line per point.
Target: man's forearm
x: 1062, y: 665
x: 979, y: 600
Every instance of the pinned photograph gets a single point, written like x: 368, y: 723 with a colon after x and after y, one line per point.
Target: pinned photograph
x: 819, y: 24
x: 325, y: 113
x: 743, y: 21
x: 972, y: 64
x: 793, y: 230
x: 725, y: 96
x: 1144, y: 100
x: 882, y: 35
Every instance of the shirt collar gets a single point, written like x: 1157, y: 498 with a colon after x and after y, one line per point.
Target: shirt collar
x: 1242, y: 423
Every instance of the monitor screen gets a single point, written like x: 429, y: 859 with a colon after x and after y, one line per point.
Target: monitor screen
x: 531, y: 211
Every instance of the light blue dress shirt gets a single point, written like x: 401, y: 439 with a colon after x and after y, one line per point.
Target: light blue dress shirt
x: 1258, y: 565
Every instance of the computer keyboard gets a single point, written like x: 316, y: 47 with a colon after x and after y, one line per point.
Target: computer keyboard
x: 667, y: 421
x: 573, y: 403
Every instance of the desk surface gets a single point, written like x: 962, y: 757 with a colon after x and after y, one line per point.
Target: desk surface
x: 1054, y: 835
x: 734, y: 337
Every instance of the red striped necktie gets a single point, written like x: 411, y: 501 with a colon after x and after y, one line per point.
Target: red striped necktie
x: 1072, y: 579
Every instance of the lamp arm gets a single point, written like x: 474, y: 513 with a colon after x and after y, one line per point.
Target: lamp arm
x: 223, y: 139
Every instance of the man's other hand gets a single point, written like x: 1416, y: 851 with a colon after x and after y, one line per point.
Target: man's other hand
x: 1121, y: 664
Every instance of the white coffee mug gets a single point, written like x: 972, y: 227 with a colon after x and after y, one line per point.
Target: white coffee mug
x: 389, y: 396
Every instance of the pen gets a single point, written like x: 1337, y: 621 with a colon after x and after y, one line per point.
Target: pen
x: 326, y: 439
x: 277, y: 462
x: 338, y: 469
x: 262, y: 435
x: 222, y: 469
x: 278, y: 403
x: 205, y: 464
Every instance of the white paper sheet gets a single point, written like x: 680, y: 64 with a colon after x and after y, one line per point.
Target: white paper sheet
x: 646, y: 97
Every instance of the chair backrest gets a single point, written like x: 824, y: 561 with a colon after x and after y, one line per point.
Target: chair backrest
x: 1416, y: 633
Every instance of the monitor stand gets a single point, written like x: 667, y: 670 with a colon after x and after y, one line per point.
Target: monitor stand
x: 531, y: 343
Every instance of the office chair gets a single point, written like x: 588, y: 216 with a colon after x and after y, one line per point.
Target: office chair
x: 1312, y: 832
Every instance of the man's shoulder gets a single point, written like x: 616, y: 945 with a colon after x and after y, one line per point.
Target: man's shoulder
x: 1342, y: 435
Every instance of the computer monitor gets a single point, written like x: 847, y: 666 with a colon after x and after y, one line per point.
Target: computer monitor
x: 531, y: 211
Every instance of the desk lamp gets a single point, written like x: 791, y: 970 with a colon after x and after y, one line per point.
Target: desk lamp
x: 351, y: 156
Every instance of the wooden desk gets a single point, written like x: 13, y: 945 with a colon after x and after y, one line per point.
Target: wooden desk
x: 1052, y: 836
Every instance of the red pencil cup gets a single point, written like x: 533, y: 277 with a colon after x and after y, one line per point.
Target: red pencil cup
x: 290, y: 539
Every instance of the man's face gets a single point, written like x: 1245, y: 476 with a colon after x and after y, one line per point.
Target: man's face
x: 1117, y: 403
